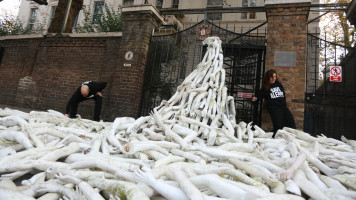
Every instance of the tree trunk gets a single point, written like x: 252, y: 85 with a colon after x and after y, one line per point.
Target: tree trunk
x: 59, y: 17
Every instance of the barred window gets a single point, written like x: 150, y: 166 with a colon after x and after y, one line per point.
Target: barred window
x: 215, y: 4
x: 128, y: 2
x: 98, y: 11
x: 53, y: 12
x: 159, y: 3
x: 33, y: 17
x: 175, y: 4
x: 248, y: 15
x: 75, y: 22
x: 214, y: 16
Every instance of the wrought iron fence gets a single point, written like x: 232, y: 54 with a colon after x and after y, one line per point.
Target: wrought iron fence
x: 172, y: 57
x: 330, y: 107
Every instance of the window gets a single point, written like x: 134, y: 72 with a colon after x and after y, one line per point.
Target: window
x: 249, y: 15
x: 159, y: 3
x: 214, y: 16
x: 53, y: 11
x: 33, y: 17
x: 98, y: 11
x: 175, y: 4
x: 75, y: 22
x: 215, y: 4
x: 128, y: 2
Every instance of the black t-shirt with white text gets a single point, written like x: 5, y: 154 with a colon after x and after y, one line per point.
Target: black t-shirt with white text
x: 275, y: 96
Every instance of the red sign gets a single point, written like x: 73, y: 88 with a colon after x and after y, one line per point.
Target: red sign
x: 244, y: 95
x: 335, y: 73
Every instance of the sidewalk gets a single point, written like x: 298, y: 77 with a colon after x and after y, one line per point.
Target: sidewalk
x: 27, y: 110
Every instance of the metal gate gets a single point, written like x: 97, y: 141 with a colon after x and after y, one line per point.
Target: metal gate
x: 330, y: 107
x: 172, y: 57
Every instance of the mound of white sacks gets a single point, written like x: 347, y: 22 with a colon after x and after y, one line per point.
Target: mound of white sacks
x: 190, y: 147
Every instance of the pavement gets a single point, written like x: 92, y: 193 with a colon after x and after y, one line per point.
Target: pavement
x: 2, y: 106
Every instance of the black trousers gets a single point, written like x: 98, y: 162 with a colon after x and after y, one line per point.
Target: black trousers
x: 97, y: 110
x: 281, y: 117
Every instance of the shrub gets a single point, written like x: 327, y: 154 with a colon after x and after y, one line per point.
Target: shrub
x: 110, y: 21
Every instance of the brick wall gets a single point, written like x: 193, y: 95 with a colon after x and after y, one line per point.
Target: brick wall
x: 287, y: 32
x: 43, y: 73
x: 138, y: 27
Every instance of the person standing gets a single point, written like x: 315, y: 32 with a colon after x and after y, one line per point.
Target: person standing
x: 88, y: 90
x: 273, y: 91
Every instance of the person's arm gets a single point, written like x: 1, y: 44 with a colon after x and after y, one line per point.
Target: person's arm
x: 259, y: 96
x: 145, y: 175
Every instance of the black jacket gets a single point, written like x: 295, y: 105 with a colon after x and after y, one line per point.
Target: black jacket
x: 77, y: 97
x: 275, y: 96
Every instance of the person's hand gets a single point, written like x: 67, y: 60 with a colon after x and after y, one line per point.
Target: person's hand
x: 99, y: 94
x: 67, y: 115
x: 254, y: 99
x: 68, y: 179
x: 144, y: 175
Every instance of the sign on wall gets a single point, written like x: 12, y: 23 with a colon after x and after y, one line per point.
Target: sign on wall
x: 285, y: 59
x: 244, y: 95
x: 336, y: 73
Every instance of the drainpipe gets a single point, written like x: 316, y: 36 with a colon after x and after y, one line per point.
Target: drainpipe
x: 69, y: 5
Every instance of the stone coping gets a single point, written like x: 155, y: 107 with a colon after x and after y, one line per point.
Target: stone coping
x: 271, y: 2
x: 30, y: 36
x: 144, y: 7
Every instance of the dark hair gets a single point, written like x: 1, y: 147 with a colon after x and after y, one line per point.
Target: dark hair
x: 265, y: 80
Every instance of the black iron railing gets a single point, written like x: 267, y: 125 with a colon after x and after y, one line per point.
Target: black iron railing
x: 174, y: 56
x: 330, y: 107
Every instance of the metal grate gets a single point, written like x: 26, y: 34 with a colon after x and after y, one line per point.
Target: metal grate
x: 330, y: 107
x: 172, y: 57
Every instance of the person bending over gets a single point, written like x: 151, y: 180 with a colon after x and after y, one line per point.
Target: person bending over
x: 273, y: 91
x: 88, y: 90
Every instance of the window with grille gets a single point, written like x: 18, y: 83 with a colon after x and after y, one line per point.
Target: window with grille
x: 53, y: 12
x: 215, y: 4
x: 75, y: 22
x: 128, y: 2
x: 159, y: 3
x: 175, y: 4
x: 214, y: 16
x: 33, y: 17
x: 98, y: 11
x: 248, y: 15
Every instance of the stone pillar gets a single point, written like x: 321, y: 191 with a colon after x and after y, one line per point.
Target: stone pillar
x: 351, y: 13
x: 58, y: 20
x: 139, y: 23
x: 286, y: 52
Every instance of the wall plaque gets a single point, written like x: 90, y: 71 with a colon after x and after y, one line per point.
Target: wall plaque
x: 129, y: 55
x: 285, y: 59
